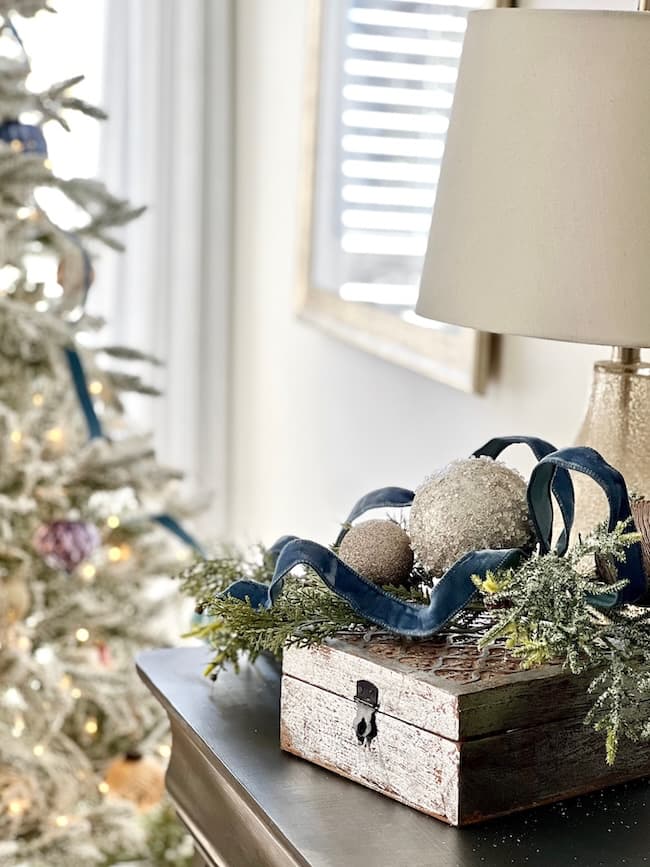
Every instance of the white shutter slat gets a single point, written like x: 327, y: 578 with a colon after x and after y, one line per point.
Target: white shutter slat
x: 396, y: 121
x: 391, y: 69
x: 381, y: 145
x: 409, y: 20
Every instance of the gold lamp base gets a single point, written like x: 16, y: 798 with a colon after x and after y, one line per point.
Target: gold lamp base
x: 616, y: 424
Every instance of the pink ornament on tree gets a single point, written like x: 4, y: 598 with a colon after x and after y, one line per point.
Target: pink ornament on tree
x: 66, y: 544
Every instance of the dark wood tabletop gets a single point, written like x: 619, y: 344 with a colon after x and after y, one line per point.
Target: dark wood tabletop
x: 247, y: 804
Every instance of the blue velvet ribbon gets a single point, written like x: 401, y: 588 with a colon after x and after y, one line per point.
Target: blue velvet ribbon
x: 456, y: 588
x: 555, y: 468
x: 382, y: 498
x: 174, y: 527
x: 95, y: 430
x: 29, y: 135
x: 83, y: 395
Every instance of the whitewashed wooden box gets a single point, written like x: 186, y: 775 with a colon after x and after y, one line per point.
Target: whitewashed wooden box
x: 459, y: 734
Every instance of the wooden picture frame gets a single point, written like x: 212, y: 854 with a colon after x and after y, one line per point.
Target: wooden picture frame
x: 458, y: 357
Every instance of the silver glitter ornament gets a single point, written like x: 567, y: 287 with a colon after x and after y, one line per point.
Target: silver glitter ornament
x: 379, y: 551
x: 469, y: 505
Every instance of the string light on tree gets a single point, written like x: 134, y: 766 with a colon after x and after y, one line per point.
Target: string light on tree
x: 118, y: 553
x: 18, y: 806
x: 95, y: 387
x: 54, y: 436
x: 113, y: 522
x: 88, y: 572
x: 23, y: 643
x: 82, y: 635
x: 91, y: 726
x: 19, y: 726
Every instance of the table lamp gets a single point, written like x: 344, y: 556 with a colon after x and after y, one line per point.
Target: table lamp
x: 541, y: 225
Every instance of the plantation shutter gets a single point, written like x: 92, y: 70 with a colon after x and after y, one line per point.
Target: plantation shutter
x: 389, y: 69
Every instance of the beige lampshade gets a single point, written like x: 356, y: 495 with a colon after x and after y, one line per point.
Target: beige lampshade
x: 541, y: 225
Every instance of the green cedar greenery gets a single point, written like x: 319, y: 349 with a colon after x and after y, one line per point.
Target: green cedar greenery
x: 543, y: 611
x: 305, y: 613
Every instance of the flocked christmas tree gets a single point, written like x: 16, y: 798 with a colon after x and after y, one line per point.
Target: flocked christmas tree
x: 85, y: 520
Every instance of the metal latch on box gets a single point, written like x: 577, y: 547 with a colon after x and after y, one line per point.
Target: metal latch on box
x: 367, y: 702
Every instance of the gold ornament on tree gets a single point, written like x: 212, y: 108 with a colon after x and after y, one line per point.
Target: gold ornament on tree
x: 135, y: 778
x: 15, y: 599
x: 21, y: 802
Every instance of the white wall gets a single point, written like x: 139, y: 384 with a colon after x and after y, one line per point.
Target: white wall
x: 315, y: 423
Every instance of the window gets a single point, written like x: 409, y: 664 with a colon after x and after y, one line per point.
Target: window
x: 61, y: 45
x: 385, y: 77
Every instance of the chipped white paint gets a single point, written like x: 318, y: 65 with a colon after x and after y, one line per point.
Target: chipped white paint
x: 403, y: 761
x: 416, y: 701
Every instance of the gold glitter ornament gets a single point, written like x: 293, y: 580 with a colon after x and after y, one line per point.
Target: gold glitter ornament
x: 469, y: 505
x: 136, y: 778
x: 379, y: 551
x: 21, y: 801
x: 15, y: 600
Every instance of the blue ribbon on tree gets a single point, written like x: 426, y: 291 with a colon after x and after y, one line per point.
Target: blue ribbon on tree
x: 94, y: 425
x: 173, y: 526
x: 456, y: 587
x: 31, y: 138
x: 83, y: 395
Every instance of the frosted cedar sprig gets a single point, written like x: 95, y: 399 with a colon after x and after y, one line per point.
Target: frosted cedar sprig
x: 545, y: 611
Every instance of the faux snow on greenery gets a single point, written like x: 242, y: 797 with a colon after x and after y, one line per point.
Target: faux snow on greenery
x: 548, y: 611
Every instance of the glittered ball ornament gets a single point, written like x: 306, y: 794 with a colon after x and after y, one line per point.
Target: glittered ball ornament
x: 468, y: 505
x: 379, y: 551
x: 66, y: 544
x: 15, y: 599
x: 135, y: 778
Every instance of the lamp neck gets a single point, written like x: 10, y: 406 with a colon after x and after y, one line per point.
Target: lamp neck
x: 626, y: 355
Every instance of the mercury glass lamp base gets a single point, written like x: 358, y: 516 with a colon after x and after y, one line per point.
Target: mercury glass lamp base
x: 616, y: 424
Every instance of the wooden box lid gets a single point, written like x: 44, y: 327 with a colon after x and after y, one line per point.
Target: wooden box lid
x: 446, y: 686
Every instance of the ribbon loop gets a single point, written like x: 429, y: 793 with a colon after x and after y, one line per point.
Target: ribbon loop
x: 381, y: 498
x: 554, y: 469
x: 561, y: 485
x: 493, y: 448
